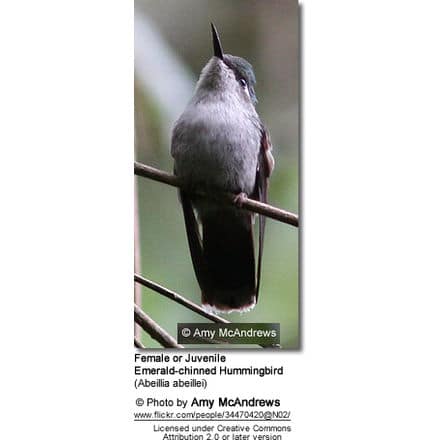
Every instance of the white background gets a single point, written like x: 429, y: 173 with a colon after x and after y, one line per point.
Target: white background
x: 371, y: 155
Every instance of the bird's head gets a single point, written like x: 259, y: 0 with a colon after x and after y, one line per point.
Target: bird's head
x: 228, y: 74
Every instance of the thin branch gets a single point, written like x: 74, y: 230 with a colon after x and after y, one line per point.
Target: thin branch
x: 178, y: 298
x: 143, y: 170
x: 188, y: 304
x: 138, y: 343
x: 154, y: 330
x: 137, y: 256
x: 248, y: 204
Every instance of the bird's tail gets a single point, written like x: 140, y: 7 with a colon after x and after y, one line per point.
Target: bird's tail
x: 229, y: 261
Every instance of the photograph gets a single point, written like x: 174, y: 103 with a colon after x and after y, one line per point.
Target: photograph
x: 217, y: 174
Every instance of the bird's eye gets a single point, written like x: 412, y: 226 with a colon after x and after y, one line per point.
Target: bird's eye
x: 243, y: 82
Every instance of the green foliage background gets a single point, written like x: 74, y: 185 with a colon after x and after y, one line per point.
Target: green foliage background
x: 267, y: 34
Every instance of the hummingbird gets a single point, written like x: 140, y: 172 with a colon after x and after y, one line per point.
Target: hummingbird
x: 219, y: 144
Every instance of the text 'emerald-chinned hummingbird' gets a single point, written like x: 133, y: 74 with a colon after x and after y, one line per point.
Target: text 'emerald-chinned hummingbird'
x: 220, y: 144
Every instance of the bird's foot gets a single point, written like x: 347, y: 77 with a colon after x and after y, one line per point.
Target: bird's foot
x: 240, y: 198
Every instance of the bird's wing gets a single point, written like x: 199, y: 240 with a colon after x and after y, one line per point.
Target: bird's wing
x: 193, y: 235
x: 265, y: 167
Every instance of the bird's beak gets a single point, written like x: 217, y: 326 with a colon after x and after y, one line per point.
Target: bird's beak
x: 218, y: 51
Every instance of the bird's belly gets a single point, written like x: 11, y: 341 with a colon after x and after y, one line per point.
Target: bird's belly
x: 220, y: 159
x: 222, y: 168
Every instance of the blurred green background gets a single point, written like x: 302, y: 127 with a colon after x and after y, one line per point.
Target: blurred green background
x: 172, y: 44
